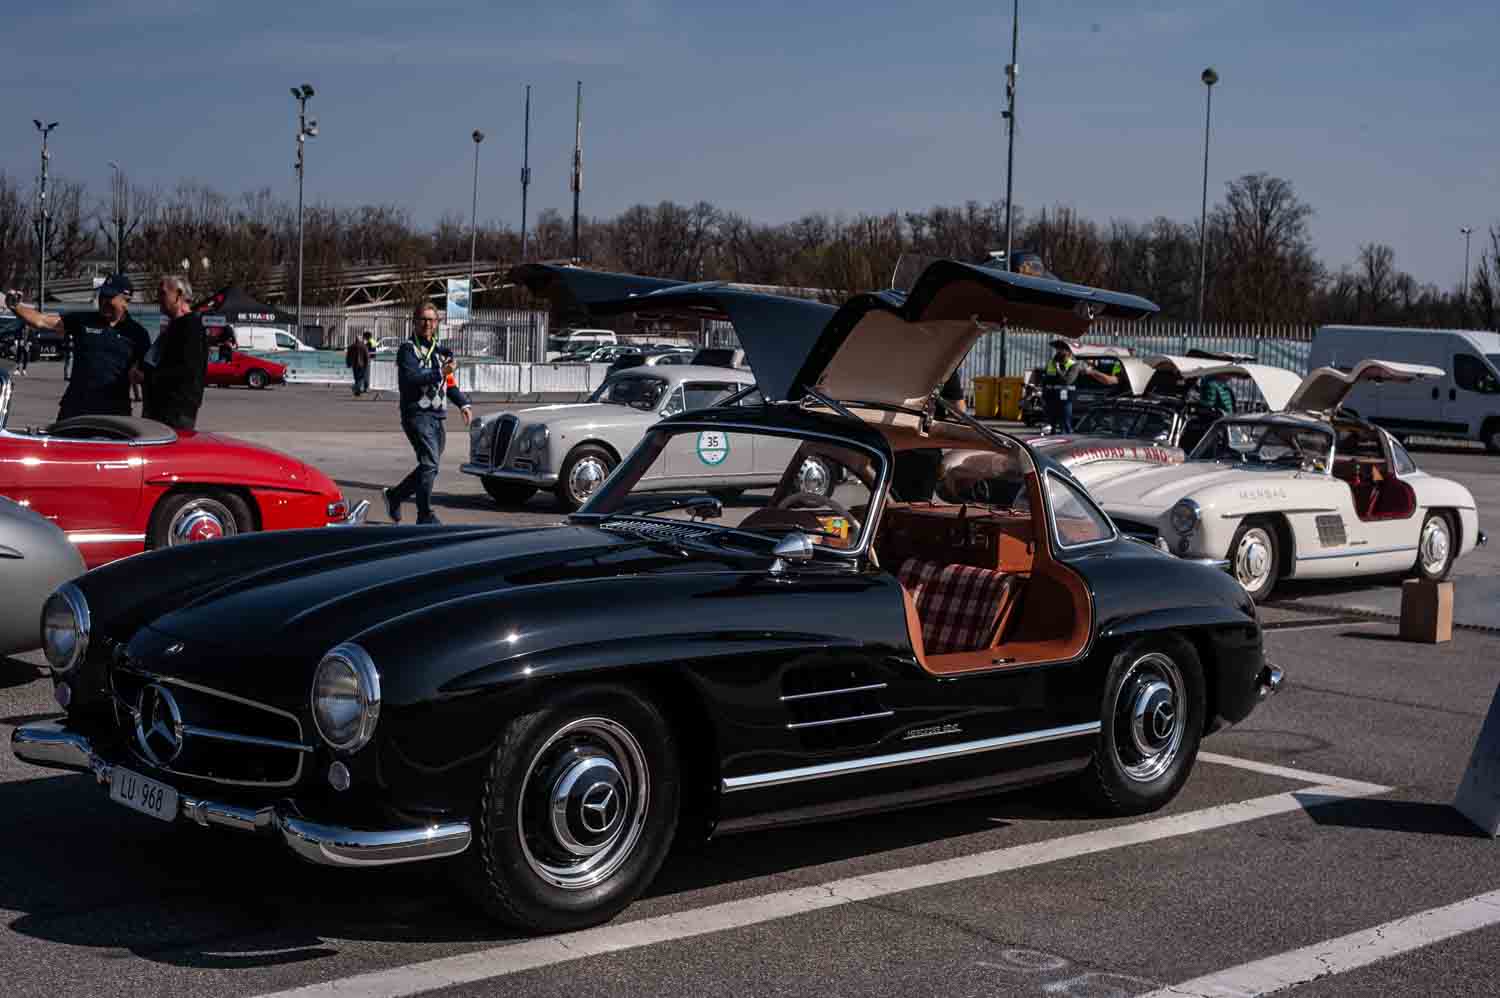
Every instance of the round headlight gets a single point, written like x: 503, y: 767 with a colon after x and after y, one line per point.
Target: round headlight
x: 346, y: 698
x: 534, y: 438
x: 65, y: 628
x: 1185, y: 516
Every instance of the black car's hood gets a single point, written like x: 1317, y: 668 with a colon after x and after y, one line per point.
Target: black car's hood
x: 303, y: 605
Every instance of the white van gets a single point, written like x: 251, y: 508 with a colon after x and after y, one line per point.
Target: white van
x: 578, y: 340
x: 1464, y: 403
x: 266, y: 338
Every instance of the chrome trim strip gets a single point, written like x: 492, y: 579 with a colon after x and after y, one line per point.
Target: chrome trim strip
x: 1361, y: 553
x: 758, y: 781
x: 1210, y: 562
x: 1241, y: 514
x: 83, y: 537
x: 839, y: 720
x: 230, y: 736
x: 49, y: 743
x: 831, y: 693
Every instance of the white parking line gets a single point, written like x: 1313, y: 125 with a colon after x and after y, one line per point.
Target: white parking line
x: 1341, y: 955
x: 502, y: 961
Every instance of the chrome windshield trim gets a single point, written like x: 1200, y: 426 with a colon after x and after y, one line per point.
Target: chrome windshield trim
x: 830, y: 693
x: 757, y: 781
x: 230, y: 736
x: 799, y: 725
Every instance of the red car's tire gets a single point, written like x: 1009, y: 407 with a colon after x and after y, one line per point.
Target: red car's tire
x: 257, y: 378
x: 198, y: 515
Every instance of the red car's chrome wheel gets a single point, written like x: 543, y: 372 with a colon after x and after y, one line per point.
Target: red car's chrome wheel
x: 202, y: 519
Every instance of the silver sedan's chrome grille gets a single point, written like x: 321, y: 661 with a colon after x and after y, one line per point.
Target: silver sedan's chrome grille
x: 206, y: 734
x: 503, y: 433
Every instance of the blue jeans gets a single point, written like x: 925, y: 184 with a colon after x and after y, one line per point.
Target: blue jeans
x: 361, y: 380
x: 1060, y: 413
x: 427, y: 436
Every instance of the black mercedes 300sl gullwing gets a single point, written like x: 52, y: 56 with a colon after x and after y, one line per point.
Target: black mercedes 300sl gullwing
x: 550, y: 707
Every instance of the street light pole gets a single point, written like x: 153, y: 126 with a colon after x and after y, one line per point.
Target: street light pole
x: 577, y: 167
x: 1012, y: 70
x: 478, y: 137
x: 1209, y: 78
x: 41, y: 256
x: 1466, y: 231
x: 119, y: 207
x: 305, y: 131
x: 525, y: 168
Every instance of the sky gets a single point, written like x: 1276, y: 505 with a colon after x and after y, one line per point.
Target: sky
x: 1381, y: 114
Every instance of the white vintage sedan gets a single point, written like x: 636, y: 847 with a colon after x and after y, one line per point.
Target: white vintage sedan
x: 1306, y: 493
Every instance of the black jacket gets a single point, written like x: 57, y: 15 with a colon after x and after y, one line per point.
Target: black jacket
x: 175, y: 367
x: 423, y: 382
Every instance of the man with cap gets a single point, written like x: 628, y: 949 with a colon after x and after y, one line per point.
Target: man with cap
x: 107, y: 345
x: 176, y: 367
x: 1058, y: 381
x: 424, y: 375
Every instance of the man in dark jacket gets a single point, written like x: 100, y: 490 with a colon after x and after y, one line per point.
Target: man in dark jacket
x: 424, y: 374
x: 107, y: 346
x: 176, y: 366
x: 357, y: 359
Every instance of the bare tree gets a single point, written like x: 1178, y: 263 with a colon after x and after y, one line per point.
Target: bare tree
x: 1265, y: 266
x: 1376, y: 281
x: 17, y: 247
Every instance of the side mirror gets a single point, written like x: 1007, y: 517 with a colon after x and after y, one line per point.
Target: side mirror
x: 794, y: 547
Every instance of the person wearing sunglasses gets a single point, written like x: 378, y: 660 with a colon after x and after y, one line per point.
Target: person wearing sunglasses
x: 424, y: 375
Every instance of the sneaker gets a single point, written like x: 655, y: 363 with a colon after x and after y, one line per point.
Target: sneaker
x: 430, y: 520
x: 392, y: 505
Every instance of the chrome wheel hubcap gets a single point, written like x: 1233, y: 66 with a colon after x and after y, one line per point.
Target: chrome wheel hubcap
x: 1148, y: 718
x: 813, y: 477
x: 586, y: 477
x: 1435, y: 545
x: 200, y: 520
x: 1252, y: 559
x: 583, y: 805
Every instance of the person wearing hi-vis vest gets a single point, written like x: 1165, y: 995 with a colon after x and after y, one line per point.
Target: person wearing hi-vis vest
x: 1058, y: 381
x: 424, y: 375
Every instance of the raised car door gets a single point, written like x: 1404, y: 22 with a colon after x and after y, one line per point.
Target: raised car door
x: 81, y: 485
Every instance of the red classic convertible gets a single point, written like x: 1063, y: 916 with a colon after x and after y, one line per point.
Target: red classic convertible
x: 243, y: 369
x: 119, y: 485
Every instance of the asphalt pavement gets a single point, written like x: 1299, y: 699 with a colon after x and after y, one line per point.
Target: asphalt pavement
x: 1318, y: 835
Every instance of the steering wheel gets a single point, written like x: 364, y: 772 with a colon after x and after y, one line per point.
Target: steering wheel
x: 811, y: 500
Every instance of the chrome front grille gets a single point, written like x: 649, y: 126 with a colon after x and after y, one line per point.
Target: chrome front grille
x: 503, y: 433
x: 206, y: 734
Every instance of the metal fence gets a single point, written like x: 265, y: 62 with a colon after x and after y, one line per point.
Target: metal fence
x: 502, y: 334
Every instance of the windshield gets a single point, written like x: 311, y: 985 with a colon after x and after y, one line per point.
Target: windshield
x: 638, y: 391
x: 708, y: 482
x: 1126, y: 422
x: 1494, y: 359
x: 1278, y: 444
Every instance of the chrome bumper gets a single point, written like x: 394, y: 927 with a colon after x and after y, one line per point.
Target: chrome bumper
x: 1269, y: 681
x: 541, y: 479
x: 1484, y: 539
x: 50, y: 744
x: 1219, y: 563
x: 356, y: 517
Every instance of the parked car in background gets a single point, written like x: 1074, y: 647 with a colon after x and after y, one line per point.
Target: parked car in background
x: 573, y: 342
x: 1462, y: 404
x: 572, y: 448
x: 37, y: 559
x: 243, y: 369
x: 554, y: 707
x: 1308, y: 493
x: 1123, y: 433
x: 388, y: 345
x: 119, y: 485
x: 266, y: 339
x: 719, y: 357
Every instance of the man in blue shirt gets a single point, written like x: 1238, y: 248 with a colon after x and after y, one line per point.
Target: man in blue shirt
x: 107, y: 346
x: 423, y: 374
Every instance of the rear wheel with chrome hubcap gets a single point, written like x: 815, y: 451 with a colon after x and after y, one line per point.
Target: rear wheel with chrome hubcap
x: 1435, y: 547
x: 1152, y: 719
x: 577, y: 811
x: 188, y: 517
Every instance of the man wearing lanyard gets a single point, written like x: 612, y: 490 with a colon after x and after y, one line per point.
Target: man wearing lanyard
x: 1058, y: 380
x: 423, y: 375
x: 107, y: 345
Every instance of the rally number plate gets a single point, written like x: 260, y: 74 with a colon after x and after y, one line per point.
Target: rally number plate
x: 143, y: 795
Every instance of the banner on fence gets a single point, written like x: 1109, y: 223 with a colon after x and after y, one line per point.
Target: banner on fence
x: 458, y: 299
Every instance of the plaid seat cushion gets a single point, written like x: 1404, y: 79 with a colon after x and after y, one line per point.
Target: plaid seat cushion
x: 959, y: 605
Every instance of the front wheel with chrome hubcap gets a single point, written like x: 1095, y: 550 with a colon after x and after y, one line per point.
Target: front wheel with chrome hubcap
x: 577, y: 810
x: 586, y: 468
x: 1255, y: 559
x: 1152, y: 718
x: 1435, y: 547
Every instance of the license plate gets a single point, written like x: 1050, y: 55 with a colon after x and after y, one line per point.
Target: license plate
x: 140, y: 794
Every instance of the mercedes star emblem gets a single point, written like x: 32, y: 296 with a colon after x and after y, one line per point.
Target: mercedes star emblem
x: 158, y: 725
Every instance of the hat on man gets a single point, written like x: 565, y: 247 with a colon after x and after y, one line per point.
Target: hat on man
x: 116, y: 284
x: 1060, y: 342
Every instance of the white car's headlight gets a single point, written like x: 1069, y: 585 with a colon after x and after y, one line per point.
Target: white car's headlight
x: 346, y: 698
x: 65, y: 628
x: 1185, y: 516
x: 534, y: 439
